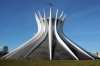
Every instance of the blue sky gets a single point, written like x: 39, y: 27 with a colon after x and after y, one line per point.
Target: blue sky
x: 82, y: 24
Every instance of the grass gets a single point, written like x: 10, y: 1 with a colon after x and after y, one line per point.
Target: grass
x: 30, y: 62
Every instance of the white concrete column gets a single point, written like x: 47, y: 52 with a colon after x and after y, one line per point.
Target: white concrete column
x: 50, y: 34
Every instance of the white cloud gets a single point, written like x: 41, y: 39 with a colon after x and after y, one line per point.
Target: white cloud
x: 34, y: 34
x: 10, y: 49
x: 91, y: 10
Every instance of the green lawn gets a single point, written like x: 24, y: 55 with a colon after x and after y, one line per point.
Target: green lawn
x: 30, y: 62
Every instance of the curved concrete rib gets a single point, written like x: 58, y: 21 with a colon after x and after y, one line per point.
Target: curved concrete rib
x: 61, y: 15
x: 35, y: 38
x: 60, y: 40
x: 50, y: 34
x: 42, y: 38
x: 60, y: 32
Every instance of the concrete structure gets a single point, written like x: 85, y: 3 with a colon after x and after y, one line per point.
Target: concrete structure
x: 50, y: 43
x: 3, y: 50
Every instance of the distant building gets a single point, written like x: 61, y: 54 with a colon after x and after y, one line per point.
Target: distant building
x: 3, y: 50
x: 97, y: 54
